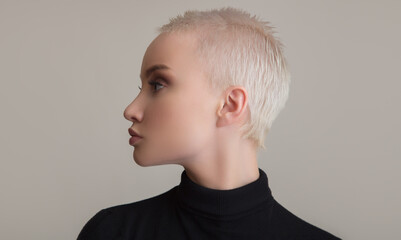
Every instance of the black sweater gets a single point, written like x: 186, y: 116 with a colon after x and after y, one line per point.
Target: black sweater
x: 191, y: 211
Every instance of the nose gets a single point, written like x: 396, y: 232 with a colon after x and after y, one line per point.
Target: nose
x: 133, y: 111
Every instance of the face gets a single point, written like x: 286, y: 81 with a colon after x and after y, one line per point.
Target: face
x: 174, y: 112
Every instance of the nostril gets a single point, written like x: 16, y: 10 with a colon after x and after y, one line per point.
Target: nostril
x: 133, y: 111
x: 130, y: 115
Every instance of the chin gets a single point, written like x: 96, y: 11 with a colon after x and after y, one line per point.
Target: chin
x: 144, y: 162
x: 141, y: 163
x: 150, y: 163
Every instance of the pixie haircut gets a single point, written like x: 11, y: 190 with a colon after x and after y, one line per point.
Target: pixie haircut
x: 235, y: 48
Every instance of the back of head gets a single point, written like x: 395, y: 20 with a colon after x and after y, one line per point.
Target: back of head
x: 238, y: 49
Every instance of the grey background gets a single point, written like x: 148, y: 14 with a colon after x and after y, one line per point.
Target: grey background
x: 68, y: 69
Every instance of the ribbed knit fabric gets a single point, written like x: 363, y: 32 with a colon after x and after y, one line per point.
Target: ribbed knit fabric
x: 191, y: 211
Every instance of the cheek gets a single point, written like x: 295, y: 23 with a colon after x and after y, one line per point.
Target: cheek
x: 193, y: 123
x: 172, y: 119
x: 177, y: 126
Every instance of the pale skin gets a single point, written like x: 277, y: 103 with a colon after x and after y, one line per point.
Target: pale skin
x: 184, y: 122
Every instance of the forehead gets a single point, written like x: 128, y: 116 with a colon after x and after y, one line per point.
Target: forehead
x: 175, y: 50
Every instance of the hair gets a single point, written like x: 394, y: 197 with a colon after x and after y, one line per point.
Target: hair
x: 236, y: 48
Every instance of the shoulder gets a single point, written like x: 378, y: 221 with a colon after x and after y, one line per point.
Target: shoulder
x: 294, y: 227
x: 108, y: 223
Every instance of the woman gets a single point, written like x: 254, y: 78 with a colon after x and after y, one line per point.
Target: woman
x: 212, y: 84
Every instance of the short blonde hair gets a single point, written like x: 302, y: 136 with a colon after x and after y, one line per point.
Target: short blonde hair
x: 238, y: 49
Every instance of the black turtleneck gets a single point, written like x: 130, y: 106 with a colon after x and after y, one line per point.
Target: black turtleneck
x: 191, y: 211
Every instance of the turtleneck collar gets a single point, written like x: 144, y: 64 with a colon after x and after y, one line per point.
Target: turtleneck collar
x: 220, y: 204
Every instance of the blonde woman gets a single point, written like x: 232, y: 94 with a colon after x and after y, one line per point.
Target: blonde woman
x: 212, y: 84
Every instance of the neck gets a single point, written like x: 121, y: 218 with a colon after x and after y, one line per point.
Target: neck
x: 224, y: 170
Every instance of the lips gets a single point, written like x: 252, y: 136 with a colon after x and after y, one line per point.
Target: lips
x: 135, y: 137
x: 133, y: 140
x: 132, y: 132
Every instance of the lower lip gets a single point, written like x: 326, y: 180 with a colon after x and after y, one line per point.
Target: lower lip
x: 134, y: 139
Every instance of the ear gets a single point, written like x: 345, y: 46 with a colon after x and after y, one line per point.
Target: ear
x: 233, y: 106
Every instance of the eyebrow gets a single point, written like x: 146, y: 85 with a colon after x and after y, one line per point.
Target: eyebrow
x: 155, y: 68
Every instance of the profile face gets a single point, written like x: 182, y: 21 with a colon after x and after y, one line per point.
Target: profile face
x: 174, y: 112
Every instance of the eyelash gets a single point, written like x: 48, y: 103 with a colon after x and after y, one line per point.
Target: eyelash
x: 152, y: 83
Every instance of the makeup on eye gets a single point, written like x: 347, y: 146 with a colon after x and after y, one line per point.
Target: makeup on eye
x: 153, y: 83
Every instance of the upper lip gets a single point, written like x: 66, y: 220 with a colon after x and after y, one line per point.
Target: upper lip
x: 133, y: 133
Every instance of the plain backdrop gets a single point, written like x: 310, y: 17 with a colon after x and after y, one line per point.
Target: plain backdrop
x: 68, y: 69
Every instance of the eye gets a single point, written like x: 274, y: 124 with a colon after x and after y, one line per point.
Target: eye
x: 155, y: 84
